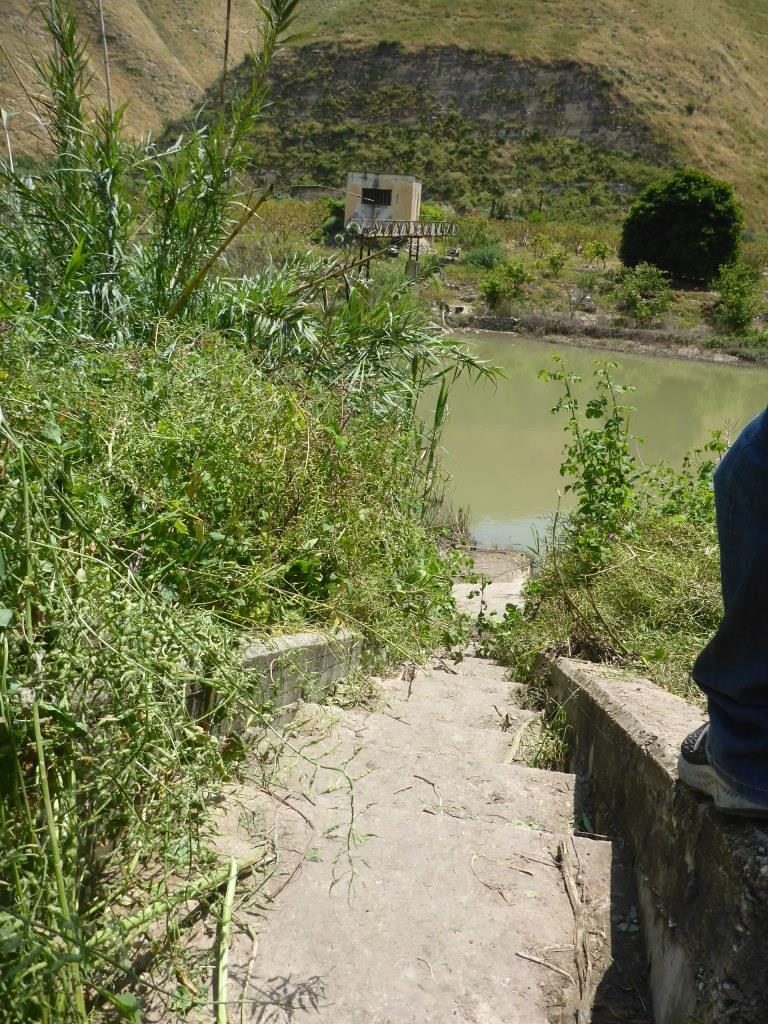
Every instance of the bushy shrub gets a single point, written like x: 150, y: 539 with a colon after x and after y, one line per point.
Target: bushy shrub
x: 476, y: 232
x: 739, y: 298
x: 688, y: 224
x: 556, y: 259
x: 334, y: 221
x: 632, y: 575
x: 597, y: 252
x: 485, y: 257
x: 643, y: 293
x: 434, y: 212
x: 506, y: 283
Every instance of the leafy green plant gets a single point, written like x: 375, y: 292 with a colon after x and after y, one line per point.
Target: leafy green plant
x: 597, y: 460
x: 556, y: 259
x: 597, y: 252
x: 434, y: 212
x: 643, y: 293
x: 73, y: 232
x: 485, y: 257
x: 475, y: 232
x: 739, y: 297
x: 507, y: 283
x: 633, y: 576
x: 687, y: 224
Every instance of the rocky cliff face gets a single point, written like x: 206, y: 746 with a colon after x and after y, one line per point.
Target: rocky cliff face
x: 510, y: 97
x: 475, y: 126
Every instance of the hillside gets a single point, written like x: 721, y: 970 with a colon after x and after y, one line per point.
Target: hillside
x: 692, y: 73
x: 694, y: 70
x: 163, y: 54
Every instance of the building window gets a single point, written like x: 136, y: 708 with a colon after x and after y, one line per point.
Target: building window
x: 377, y: 197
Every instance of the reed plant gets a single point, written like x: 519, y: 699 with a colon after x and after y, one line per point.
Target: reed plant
x: 185, y: 460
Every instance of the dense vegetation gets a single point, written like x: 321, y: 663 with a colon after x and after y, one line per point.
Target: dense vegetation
x: 687, y: 224
x: 185, y: 457
x: 630, y: 577
x: 335, y: 114
x: 692, y: 72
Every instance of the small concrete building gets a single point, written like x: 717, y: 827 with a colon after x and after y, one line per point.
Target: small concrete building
x: 382, y: 197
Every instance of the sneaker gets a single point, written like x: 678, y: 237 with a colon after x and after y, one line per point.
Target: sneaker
x: 695, y: 770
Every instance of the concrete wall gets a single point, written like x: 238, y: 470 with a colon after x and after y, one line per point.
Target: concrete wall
x: 286, y: 669
x: 406, y: 197
x: 702, y: 878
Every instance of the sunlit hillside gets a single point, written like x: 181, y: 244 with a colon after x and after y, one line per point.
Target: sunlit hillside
x: 693, y: 69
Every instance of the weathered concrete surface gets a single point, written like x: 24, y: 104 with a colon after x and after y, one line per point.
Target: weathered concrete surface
x: 286, y: 669
x: 702, y: 878
x: 302, y: 665
x: 418, y: 874
x: 502, y: 577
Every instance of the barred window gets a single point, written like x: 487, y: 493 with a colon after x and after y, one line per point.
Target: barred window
x: 377, y: 197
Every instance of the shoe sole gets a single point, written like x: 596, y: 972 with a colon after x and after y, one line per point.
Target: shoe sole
x: 704, y: 779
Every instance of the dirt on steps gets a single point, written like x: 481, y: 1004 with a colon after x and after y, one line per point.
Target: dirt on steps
x: 422, y: 876
x: 423, y: 873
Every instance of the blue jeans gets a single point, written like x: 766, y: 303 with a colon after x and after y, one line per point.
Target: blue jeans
x: 732, y: 670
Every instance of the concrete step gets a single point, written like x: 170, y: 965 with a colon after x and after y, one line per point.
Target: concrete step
x: 441, y: 729
x: 479, y: 697
x: 476, y: 667
x: 441, y: 919
x: 412, y: 780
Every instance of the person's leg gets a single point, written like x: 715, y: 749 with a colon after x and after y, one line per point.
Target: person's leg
x: 733, y: 668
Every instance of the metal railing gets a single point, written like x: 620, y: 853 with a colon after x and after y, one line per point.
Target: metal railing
x: 402, y: 229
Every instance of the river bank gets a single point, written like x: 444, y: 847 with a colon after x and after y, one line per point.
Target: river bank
x: 607, y: 337
x: 503, y: 447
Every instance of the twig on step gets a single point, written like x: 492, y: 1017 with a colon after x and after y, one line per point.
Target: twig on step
x: 428, y: 965
x: 584, y: 966
x: 545, y: 963
x: 286, y: 803
x: 434, y: 786
x: 493, y: 888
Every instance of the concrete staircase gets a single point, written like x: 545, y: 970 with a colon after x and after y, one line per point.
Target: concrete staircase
x: 425, y: 875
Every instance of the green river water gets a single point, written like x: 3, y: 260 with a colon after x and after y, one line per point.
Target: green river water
x: 502, y: 446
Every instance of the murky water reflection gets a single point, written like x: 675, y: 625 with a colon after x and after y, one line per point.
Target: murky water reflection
x: 503, y: 446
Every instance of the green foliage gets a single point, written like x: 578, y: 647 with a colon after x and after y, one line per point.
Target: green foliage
x: 642, y: 589
x: 739, y: 299
x: 688, y: 225
x: 111, y: 234
x: 596, y: 251
x: 485, y: 257
x: 333, y: 224
x: 477, y: 232
x: 326, y: 117
x: 644, y: 293
x: 597, y: 459
x: 182, y: 458
x: 505, y: 284
x: 556, y: 259
x: 434, y: 212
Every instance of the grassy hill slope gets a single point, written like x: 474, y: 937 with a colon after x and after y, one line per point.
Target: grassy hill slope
x: 695, y: 70
x: 164, y: 54
x: 692, y: 69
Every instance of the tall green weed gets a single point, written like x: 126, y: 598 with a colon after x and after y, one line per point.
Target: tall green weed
x: 184, y: 459
x: 630, y: 576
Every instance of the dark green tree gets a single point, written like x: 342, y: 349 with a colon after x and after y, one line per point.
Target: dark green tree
x: 688, y: 224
